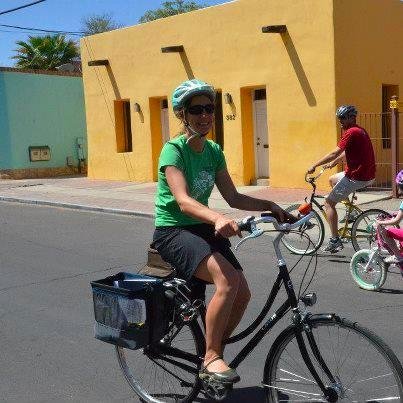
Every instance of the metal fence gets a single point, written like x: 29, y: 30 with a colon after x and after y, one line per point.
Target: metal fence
x: 387, y: 137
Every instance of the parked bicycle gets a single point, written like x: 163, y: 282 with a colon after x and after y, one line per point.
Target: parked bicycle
x: 317, y: 357
x: 369, y: 267
x: 357, y: 226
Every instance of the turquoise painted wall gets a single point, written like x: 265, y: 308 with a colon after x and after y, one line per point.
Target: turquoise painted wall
x: 37, y: 110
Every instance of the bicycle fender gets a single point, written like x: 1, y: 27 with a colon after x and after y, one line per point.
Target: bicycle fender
x: 310, y: 318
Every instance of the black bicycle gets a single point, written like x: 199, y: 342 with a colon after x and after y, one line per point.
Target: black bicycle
x: 317, y: 358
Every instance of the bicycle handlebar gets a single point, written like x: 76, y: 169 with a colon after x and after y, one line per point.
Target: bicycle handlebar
x: 249, y: 224
x: 311, y: 179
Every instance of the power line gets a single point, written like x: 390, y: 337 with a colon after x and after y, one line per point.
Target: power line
x: 43, y: 30
x: 15, y: 32
x: 19, y: 8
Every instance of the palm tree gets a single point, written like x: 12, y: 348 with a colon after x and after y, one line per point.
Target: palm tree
x: 45, y: 52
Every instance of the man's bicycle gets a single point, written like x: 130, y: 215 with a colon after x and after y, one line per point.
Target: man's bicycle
x: 317, y: 357
x: 369, y: 267
x: 357, y: 226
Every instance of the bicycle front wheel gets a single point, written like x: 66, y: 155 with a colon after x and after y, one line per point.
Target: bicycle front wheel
x: 363, y: 233
x: 308, y: 238
x: 364, y: 368
x: 166, y: 372
x: 370, y: 276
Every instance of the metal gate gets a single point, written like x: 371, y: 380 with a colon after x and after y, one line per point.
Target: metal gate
x: 387, y: 138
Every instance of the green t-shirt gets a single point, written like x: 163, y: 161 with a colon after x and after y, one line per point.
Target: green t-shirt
x: 200, y: 170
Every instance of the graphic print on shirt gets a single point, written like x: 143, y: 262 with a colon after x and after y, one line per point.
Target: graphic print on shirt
x: 202, y: 183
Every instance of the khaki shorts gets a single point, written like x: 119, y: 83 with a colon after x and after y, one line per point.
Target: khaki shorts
x: 346, y: 186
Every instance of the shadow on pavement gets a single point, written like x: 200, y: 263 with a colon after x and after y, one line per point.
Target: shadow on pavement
x: 253, y: 394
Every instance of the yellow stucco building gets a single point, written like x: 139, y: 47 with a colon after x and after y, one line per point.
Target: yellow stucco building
x: 280, y: 68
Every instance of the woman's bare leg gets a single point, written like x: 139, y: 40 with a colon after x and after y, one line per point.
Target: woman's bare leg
x: 239, y: 306
x: 216, y: 269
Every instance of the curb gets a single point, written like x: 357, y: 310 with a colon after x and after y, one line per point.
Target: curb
x: 133, y: 213
x: 77, y: 207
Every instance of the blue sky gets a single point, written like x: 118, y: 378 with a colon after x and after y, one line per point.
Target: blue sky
x: 66, y: 15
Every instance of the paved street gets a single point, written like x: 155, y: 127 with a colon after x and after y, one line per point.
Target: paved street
x: 49, y: 255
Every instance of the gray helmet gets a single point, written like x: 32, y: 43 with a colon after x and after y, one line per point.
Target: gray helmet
x: 346, y: 110
x: 189, y: 89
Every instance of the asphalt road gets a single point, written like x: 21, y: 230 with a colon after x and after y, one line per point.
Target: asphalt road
x: 48, y: 256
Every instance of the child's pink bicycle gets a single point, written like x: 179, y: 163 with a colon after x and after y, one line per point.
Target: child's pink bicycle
x: 368, y: 266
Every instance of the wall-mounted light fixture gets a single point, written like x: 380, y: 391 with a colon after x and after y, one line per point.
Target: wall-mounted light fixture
x: 228, y: 98
x: 136, y: 107
x: 103, y: 62
x: 173, y: 49
x: 275, y: 29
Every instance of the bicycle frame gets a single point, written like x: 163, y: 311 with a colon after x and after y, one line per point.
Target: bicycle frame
x: 344, y: 230
x: 298, y: 319
x: 381, y: 249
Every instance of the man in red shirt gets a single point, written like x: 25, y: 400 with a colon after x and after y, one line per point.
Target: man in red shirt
x: 355, y: 148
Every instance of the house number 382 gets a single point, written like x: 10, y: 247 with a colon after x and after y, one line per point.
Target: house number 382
x: 230, y: 117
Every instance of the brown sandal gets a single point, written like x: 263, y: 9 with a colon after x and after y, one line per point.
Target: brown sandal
x: 228, y: 376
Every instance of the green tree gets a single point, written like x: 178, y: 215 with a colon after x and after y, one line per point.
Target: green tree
x: 95, y: 24
x: 170, y: 8
x: 45, y: 52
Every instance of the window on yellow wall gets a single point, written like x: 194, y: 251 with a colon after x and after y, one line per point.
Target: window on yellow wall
x: 387, y: 92
x: 259, y: 94
x: 123, y: 127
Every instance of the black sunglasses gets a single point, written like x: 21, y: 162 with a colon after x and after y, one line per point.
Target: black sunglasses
x: 199, y: 109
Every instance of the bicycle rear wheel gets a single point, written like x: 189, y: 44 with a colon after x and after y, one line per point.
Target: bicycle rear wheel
x: 364, y: 367
x: 309, y: 236
x: 363, y: 234
x: 369, y: 277
x: 166, y: 373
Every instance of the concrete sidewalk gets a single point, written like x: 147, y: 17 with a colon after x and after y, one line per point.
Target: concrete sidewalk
x: 138, y: 198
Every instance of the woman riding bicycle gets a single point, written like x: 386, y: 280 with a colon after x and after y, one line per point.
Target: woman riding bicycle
x: 192, y: 237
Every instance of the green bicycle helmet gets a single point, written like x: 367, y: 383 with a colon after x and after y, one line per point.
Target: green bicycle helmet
x: 189, y: 89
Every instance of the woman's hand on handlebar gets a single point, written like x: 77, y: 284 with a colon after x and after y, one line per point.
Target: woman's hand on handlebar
x: 226, y: 227
x: 311, y: 170
x: 281, y: 215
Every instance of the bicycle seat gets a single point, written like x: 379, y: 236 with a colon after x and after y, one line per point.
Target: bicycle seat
x: 156, y: 266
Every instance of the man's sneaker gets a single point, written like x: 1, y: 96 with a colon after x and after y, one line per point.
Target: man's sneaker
x: 334, y: 245
x: 392, y: 259
x: 351, y: 218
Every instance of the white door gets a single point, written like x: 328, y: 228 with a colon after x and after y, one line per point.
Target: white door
x: 164, y: 124
x: 261, y: 138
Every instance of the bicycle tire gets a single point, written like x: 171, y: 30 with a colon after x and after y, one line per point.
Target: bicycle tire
x: 363, y: 234
x: 371, y: 278
x: 361, y: 362
x: 296, y: 241
x: 154, y: 379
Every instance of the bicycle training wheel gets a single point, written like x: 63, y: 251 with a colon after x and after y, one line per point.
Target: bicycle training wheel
x: 308, y: 238
x: 369, y: 277
x: 169, y: 372
x: 364, y: 368
x: 363, y: 234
